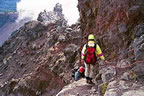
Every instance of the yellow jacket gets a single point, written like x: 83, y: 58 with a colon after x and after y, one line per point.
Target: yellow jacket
x: 98, y: 50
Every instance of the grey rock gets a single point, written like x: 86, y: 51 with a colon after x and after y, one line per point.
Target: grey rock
x: 53, y: 16
x: 71, y: 52
x: 61, y: 38
x: 125, y: 76
x: 107, y: 74
x: 122, y: 28
x: 111, y: 93
x: 5, y: 61
x: 138, y: 92
x: 123, y: 63
x: 124, y: 85
x: 68, y: 29
x: 134, y: 12
x: 139, y: 70
x: 58, y: 9
x: 139, y: 30
x: 52, y: 39
x: 34, y: 46
x: 32, y: 35
x: 139, y: 48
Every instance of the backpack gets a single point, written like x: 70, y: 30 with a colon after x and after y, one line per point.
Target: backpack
x: 76, y: 74
x: 90, y: 56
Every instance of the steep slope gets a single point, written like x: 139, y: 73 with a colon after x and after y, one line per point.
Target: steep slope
x: 79, y: 88
x: 36, y: 59
x: 113, y: 21
x: 118, y: 27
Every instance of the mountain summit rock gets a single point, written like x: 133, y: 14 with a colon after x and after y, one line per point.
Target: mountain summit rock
x: 53, y: 16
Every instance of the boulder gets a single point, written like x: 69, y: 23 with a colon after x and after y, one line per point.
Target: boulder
x: 139, y: 92
x: 124, y: 88
x: 71, y: 52
x: 78, y: 88
x: 139, y: 30
x: 139, y: 48
x: 125, y: 76
x: 58, y: 9
x: 61, y: 38
x: 133, y: 12
x: 107, y: 74
x: 53, y: 16
x: 53, y: 38
x: 123, y: 63
x: 138, y: 69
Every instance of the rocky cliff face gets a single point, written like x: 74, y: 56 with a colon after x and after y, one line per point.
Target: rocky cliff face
x: 37, y: 58
x: 113, y: 21
x: 118, y: 27
x: 53, y: 16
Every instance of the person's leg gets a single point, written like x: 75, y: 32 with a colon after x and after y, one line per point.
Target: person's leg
x: 77, y: 76
x: 87, y: 72
x: 91, y: 76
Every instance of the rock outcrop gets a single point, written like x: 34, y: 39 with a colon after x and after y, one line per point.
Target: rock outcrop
x: 113, y: 21
x: 53, y: 16
x: 118, y: 27
x: 36, y: 60
x: 79, y: 88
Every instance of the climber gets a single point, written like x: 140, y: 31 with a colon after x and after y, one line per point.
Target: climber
x: 78, y: 73
x: 89, y: 55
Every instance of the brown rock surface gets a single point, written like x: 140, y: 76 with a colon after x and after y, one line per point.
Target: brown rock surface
x: 33, y: 61
x: 38, y: 58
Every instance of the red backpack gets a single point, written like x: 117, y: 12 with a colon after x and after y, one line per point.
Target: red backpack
x: 90, y: 56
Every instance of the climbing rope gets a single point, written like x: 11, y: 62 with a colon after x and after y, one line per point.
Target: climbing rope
x: 109, y: 63
x: 125, y: 67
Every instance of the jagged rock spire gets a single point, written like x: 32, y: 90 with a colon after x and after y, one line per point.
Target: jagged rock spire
x: 53, y: 16
x: 58, y: 8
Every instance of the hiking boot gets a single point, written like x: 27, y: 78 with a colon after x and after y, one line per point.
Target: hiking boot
x: 90, y: 82
x: 87, y: 81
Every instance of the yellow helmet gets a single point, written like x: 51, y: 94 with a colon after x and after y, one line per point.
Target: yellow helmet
x: 91, y: 37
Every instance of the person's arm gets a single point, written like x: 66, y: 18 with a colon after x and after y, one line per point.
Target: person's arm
x: 83, y: 52
x: 99, y: 52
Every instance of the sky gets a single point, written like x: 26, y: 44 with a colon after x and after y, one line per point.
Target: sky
x: 31, y: 8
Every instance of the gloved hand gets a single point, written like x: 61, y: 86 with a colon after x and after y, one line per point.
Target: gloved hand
x: 82, y: 61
